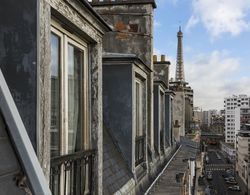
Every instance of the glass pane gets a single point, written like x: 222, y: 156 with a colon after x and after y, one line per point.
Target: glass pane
x: 55, y: 96
x: 75, y: 119
x: 137, y: 107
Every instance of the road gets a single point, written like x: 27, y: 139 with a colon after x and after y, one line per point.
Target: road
x: 218, y: 166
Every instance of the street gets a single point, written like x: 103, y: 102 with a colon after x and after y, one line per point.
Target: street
x: 217, y: 165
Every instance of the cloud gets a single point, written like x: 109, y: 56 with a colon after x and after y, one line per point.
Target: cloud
x: 157, y: 24
x: 193, y: 20
x: 212, y: 76
x: 157, y: 51
x: 221, y: 16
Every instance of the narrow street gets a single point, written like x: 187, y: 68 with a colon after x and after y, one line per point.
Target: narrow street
x: 218, y: 165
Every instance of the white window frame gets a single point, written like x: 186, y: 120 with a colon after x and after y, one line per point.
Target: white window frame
x: 65, y: 39
x: 141, y: 131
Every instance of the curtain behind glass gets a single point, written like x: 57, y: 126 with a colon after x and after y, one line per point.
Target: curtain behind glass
x: 75, y: 63
x: 55, y: 96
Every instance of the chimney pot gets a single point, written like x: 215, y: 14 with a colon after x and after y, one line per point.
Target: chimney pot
x: 155, y: 58
x: 163, y: 58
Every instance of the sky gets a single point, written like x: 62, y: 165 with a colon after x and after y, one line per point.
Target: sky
x: 216, y: 46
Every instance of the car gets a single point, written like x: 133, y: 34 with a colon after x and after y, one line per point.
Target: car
x: 209, y: 177
x: 230, y: 178
x: 229, y: 171
x: 231, y: 182
x: 234, y: 188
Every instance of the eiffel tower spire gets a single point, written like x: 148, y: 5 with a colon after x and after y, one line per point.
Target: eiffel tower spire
x: 179, y: 74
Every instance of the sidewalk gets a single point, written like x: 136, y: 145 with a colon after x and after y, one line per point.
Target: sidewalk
x: 242, y: 185
x: 199, y: 189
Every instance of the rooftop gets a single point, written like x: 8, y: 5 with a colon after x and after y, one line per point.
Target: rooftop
x: 177, y: 167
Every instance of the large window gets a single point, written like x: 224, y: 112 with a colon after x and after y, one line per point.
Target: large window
x: 69, y: 94
x: 71, y: 159
x: 162, y: 118
x: 139, y: 121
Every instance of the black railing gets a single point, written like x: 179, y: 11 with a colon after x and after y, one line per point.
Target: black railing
x: 72, y: 174
x: 161, y: 140
x: 139, y: 150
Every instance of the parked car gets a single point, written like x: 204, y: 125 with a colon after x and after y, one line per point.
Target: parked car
x: 234, y: 188
x: 209, y: 176
x: 229, y: 178
x: 231, y: 182
x: 229, y: 171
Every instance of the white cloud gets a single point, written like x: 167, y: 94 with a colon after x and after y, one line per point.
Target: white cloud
x: 221, y: 16
x: 157, y: 24
x: 211, y: 77
x: 193, y: 20
x: 157, y: 51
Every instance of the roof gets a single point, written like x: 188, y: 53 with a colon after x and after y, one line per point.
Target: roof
x: 177, y: 166
x: 123, y: 57
x: 116, y: 172
x: 101, y: 20
x: 122, y: 2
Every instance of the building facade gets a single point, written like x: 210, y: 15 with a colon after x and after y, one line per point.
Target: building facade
x: 232, y: 107
x: 243, y: 155
x: 97, y: 109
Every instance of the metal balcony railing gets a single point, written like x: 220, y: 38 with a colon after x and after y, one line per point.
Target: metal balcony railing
x: 139, y: 150
x: 161, y: 140
x: 72, y: 174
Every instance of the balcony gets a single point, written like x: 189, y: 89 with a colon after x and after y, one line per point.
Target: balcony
x: 139, y: 150
x: 72, y: 174
x: 162, y: 141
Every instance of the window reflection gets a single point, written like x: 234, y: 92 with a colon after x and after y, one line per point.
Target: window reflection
x: 55, y: 99
x: 75, y: 121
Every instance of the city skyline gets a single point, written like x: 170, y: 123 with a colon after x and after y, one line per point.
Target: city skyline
x: 215, y: 46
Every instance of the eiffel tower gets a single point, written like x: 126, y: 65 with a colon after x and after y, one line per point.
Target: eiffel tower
x: 179, y: 74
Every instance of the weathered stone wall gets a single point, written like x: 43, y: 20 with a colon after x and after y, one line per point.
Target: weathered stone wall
x: 132, y: 24
x: 18, y: 58
x: 179, y: 112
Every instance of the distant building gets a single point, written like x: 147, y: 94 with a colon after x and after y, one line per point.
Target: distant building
x: 207, y: 118
x: 233, y: 106
x: 197, y: 117
x: 229, y: 150
x: 217, y: 124
x: 243, y: 155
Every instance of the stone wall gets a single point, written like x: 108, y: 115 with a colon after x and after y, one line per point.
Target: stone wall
x: 18, y: 58
x: 179, y: 113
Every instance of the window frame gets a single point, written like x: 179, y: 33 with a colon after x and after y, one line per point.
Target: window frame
x: 67, y: 38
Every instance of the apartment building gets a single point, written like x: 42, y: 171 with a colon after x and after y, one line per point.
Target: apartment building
x: 243, y: 155
x: 232, y: 106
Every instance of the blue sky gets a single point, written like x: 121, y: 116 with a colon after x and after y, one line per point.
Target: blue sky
x: 216, y: 45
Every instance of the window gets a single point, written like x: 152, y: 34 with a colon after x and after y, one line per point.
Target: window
x: 139, y: 109
x: 69, y: 114
x: 69, y: 94
x: 162, y: 118
x: 139, y: 121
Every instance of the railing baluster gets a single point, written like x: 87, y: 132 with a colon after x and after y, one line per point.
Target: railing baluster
x: 139, y: 150
x: 77, y: 170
